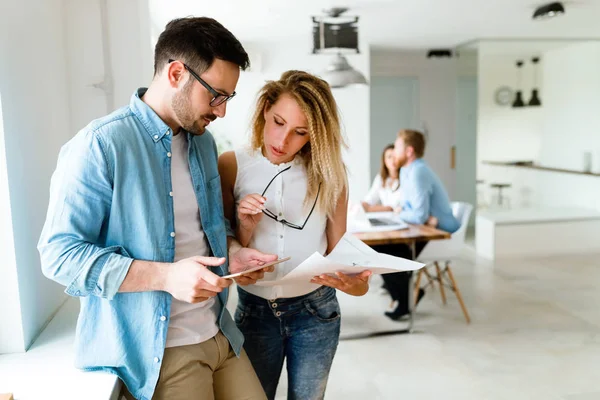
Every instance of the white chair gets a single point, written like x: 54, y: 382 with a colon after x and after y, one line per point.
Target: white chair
x: 446, y: 251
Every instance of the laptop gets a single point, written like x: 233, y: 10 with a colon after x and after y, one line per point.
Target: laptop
x: 361, y: 221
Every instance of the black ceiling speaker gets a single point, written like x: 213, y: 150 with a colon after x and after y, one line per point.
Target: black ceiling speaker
x: 439, y: 53
x: 549, y: 10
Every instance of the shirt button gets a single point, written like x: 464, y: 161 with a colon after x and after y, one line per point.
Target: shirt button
x: 156, y: 359
x: 167, y: 133
x: 172, y: 234
x: 155, y: 137
x: 163, y: 318
x: 169, y: 154
x: 274, y: 305
x: 278, y: 313
x: 171, y: 194
x: 280, y: 214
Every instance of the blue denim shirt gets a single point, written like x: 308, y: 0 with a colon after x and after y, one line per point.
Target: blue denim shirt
x: 110, y: 203
x: 424, y: 195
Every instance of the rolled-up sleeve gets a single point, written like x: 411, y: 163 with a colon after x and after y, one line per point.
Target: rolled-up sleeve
x: 80, y: 200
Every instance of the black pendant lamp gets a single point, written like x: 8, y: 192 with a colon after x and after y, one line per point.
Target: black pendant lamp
x: 518, y: 103
x: 535, y: 100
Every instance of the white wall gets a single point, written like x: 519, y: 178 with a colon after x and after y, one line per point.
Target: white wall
x: 11, y: 330
x: 394, y: 105
x: 119, y: 53
x: 506, y: 133
x: 59, y: 55
x: 353, y: 102
x: 437, y: 101
x: 466, y: 140
x: 571, y: 124
x: 132, y: 52
x: 33, y: 82
x: 555, y: 134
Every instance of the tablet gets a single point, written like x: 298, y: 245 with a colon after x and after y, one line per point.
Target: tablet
x: 267, y: 265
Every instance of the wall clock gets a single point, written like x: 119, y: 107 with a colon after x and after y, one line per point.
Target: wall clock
x: 503, y: 96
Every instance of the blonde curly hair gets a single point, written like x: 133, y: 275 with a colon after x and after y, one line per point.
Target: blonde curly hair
x: 322, y: 155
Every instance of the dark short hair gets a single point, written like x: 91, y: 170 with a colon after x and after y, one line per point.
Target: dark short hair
x: 197, y: 41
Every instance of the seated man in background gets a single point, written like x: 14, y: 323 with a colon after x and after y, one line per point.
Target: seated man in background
x: 424, y: 197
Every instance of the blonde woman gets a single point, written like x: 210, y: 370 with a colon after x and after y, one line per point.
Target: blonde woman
x: 287, y: 194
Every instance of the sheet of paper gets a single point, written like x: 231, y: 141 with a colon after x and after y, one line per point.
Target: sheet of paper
x: 350, y: 256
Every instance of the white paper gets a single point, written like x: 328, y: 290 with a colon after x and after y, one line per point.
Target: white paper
x: 351, y: 256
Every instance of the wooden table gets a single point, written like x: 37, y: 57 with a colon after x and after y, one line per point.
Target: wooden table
x: 410, y: 236
x: 415, y: 233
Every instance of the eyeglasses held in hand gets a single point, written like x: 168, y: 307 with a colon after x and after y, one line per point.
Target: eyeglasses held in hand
x: 272, y: 215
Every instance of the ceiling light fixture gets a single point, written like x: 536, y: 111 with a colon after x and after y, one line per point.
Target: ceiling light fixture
x: 535, y: 100
x: 518, y: 103
x: 341, y: 74
x: 336, y: 32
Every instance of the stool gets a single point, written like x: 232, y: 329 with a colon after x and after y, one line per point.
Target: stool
x: 501, y: 200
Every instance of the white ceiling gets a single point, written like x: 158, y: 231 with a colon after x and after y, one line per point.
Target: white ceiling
x: 522, y: 47
x: 392, y: 23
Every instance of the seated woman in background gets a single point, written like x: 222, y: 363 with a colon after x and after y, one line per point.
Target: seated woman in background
x: 385, y: 193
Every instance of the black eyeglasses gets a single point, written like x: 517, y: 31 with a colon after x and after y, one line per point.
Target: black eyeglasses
x: 272, y: 215
x: 218, y: 98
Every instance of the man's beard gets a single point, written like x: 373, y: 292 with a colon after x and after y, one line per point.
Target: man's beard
x: 400, y: 162
x: 185, y: 114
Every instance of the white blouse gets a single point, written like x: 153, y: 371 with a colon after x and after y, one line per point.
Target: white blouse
x: 385, y: 195
x: 285, y: 198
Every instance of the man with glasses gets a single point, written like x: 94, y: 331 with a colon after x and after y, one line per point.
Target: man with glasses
x: 135, y: 228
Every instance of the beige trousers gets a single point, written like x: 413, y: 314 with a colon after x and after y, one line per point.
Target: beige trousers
x: 206, y: 371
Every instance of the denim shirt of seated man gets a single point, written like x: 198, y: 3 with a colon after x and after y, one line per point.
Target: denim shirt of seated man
x: 425, y: 196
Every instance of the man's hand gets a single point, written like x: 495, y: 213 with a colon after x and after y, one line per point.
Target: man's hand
x: 245, y: 258
x: 356, y: 285
x: 191, y: 281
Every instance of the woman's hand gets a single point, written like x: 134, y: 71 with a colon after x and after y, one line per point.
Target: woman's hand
x: 249, y: 211
x: 366, y: 206
x: 356, y: 285
x: 246, y: 258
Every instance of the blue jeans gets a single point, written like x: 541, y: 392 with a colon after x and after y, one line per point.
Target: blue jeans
x: 304, y: 330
